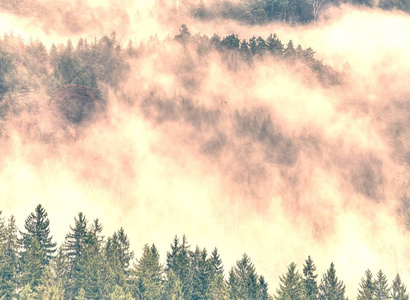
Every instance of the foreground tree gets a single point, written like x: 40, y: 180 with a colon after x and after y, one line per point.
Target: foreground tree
x: 291, y: 285
x: 243, y: 280
x: 330, y: 287
x: 398, y: 289
x: 367, y: 287
x: 309, y: 279
x: 149, y: 274
x: 381, y: 289
x: 38, y: 248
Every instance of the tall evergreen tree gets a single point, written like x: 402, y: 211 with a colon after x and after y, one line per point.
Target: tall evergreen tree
x: 149, y: 274
x: 243, y: 280
x: 367, y: 287
x: 37, y: 225
x: 9, y: 259
x: 172, y: 288
x: 330, y: 287
x: 398, y: 289
x: 309, y: 279
x: 291, y: 285
x: 178, y: 260
x: 381, y: 289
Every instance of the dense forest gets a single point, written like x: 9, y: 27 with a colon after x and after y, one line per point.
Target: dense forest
x: 88, y: 265
x: 280, y: 127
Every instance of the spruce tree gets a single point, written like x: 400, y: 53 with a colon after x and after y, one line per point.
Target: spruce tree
x: 309, y: 279
x: 291, y: 285
x: 398, y: 289
x: 172, y: 287
x: 263, y: 289
x: 382, y: 290
x: 37, y: 226
x: 367, y: 287
x: 243, y: 280
x: 149, y: 274
x: 330, y: 287
x: 217, y: 288
x: 9, y: 260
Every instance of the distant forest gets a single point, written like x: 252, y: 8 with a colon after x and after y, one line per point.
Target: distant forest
x: 90, y: 266
x: 76, y: 77
x: 256, y: 12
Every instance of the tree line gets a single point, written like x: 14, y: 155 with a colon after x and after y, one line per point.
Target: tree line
x: 256, y: 12
x: 88, y: 265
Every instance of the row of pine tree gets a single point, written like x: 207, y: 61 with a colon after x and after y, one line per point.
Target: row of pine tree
x: 90, y: 266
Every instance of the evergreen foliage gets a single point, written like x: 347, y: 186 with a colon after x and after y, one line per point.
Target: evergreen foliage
x: 89, y: 267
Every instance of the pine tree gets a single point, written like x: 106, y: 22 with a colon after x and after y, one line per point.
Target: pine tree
x: 179, y: 262
x: 172, y: 287
x: 263, y: 292
x: 75, y: 241
x: 243, y: 280
x: 309, y: 279
x: 202, y: 272
x: 37, y: 225
x: 33, y: 263
x: 381, y: 290
x: 119, y: 294
x: 330, y: 287
x: 367, y: 287
x: 149, y: 274
x: 9, y: 260
x: 217, y: 288
x: 291, y: 285
x: 27, y: 293
x: 50, y: 287
x: 398, y: 289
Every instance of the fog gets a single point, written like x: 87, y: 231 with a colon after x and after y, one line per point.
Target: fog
x: 263, y: 159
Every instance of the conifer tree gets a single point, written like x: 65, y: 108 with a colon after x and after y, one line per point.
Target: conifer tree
x: 172, y: 287
x: 367, y: 287
x: 309, y: 279
x: 243, y: 280
x: 9, y: 260
x: 398, y: 289
x: 149, y: 274
x: 217, y: 288
x: 263, y: 292
x: 37, y: 226
x: 330, y: 287
x: 382, y: 289
x: 178, y: 260
x: 291, y: 285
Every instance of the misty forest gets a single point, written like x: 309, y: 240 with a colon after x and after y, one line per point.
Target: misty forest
x: 273, y: 133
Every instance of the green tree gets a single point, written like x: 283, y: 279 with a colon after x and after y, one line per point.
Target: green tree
x: 291, y: 285
x: 149, y: 274
x: 27, y: 293
x: 179, y: 262
x: 309, y: 279
x: 119, y: 294
x: 9, y: 258
x: 243, y: 280
x: 37, y: 225
x: 263, y: 292
x: 367, y: 287
x: 398, y: 289
x: 172, y: 287
x: 381, y: 290
x: 330, y: 287
x: 217, y: 288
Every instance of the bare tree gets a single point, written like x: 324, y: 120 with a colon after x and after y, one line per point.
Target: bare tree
x: 316, y: 4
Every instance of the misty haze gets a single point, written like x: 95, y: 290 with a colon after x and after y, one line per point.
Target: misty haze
x: 275, y: 135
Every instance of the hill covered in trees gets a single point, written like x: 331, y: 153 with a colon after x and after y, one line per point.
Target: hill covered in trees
x: 276, y: 128
x: 88, y: 265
